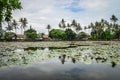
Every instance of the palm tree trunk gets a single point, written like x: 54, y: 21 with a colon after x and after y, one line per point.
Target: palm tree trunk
x: 16, y: 31
x: 0, y: 25
x: 24, y: 30
x: 48, y: 32
x: 21, y: 30
x: 0, y: 30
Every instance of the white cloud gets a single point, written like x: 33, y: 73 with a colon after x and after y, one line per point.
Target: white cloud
x: 93, y: 4
x: 40, y: 13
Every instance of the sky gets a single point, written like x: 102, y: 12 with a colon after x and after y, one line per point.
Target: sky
x: 40, y: 13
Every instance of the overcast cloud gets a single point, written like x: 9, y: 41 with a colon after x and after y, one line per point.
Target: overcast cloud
x: 40, y: 13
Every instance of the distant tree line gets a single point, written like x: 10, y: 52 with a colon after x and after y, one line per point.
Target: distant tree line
x: 100, y: 30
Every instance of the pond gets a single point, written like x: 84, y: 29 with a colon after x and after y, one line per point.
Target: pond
x: 60, y: 61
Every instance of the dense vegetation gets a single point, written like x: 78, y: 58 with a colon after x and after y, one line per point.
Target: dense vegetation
x: 6, y: 8
x: 100, y: 30
x: 31, y: 34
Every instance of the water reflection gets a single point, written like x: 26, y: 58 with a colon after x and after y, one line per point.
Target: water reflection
x: 46, y: 63
x: 113, y: 64
x: 62, y: 58
x: 31, y: 48
x: 55, y: 71
x: 73, y: 60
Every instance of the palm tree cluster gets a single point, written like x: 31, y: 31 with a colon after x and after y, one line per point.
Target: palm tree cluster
x: 73, y: 24
x: 14, y: 25
x: 100, y: 30
x: 104, y: 29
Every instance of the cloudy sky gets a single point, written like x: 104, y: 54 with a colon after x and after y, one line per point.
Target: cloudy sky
x: 40, y: 13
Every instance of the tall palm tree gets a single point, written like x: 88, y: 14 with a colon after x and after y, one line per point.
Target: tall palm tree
x: 74, y: 23
x: 114, y: 19
x: 9, y: 27
x: 48, y: 27
x: 85, y: 27
x: 15, y: 25
x: 78, y: 28
x: 68, y: 25
x: 24, y: 23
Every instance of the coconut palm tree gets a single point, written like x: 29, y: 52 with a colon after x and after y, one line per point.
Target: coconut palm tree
x: 15, y: 25
x: 24, y: 23
x: 74, y: 23
x: 114, y: 19
x: 48, y: 27
x: 62, y: 24
x: 68, y: 25
x: 9, y: 27
x: 85, y: 27
x: 78, y: 28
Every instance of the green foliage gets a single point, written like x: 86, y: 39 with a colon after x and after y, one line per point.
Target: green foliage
x: 113, y: 18
x: 31, y: 34
x: 81, y: 35
x: 24, y: 23
x: 57, y: 34
x: 103, y: 35
x: 9, y: 35
x: 117, y: 34
x: 48, y: 27
x: 62, y: 24
x: 6, y: 8
x: 108, y: 35
x: 70, y: 34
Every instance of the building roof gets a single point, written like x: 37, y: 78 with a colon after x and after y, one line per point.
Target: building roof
x: 20, y: 36
x: 45, y: 36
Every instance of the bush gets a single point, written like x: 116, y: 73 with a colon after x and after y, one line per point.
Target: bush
x: 70, y: 34
x: 81, y: 35
x: 57, y: 34
x: 9, y: 35
x: 30, y: 34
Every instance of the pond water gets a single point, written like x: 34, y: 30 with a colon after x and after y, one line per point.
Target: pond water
x: 73, y: 62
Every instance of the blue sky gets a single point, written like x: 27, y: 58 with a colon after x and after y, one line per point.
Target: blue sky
x: 40, y: 13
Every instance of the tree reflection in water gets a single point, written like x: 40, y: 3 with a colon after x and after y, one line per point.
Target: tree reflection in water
x: 62, y: 58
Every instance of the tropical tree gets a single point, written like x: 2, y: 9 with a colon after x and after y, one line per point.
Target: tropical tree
x: 68, y: 25
x: 85, y: 27
x: 9, y: 36
x: 48, y: 27
x: 58, y: 34
x: 6, y: 8
x: 15, y: 25
x: 62, y: 24
x: 114, y: 19
x: 70, y: 34
x: 78, y: 28
x: 9, y: 27
x: 24, y: 23
x: 117, y: 31
x: 31, y: 34
x: 81, y: 35
x: 74, y: 23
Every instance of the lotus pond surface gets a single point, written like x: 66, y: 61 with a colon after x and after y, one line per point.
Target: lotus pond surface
x: 68, y: 60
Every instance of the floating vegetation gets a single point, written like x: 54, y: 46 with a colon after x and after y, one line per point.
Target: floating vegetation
x: 87, y: 52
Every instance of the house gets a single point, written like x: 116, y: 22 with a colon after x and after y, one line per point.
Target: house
x: 2, y: 33
x: 20, y: 36
x: 46, y: 37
